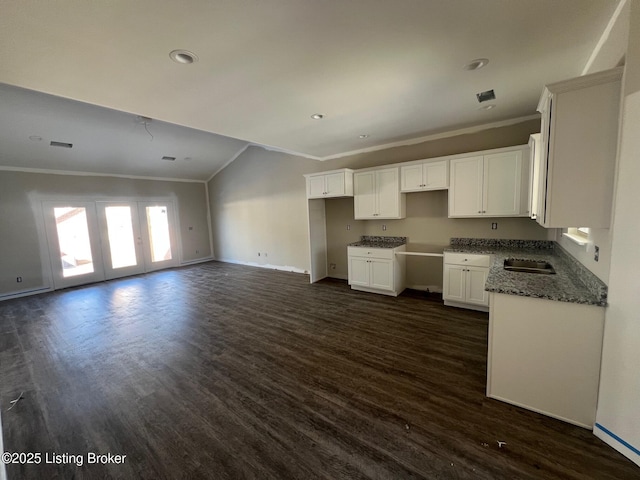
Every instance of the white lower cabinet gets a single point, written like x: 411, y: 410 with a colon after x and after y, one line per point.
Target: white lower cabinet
x: 464, y: 279
x: 376, y: 270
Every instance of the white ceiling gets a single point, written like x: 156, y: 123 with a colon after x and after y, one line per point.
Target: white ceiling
x: 392, y: 70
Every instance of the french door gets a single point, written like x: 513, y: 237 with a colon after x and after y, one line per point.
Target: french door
x: 93, y: 241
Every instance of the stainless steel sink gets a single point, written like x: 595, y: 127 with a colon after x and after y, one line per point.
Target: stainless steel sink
x: 528, y: 266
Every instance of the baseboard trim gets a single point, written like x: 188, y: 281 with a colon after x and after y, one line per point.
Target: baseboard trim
x: 282, y: 268
x: 25, y: 293
x: 195, y: 262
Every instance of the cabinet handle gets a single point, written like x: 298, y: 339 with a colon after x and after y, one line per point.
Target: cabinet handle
x: 479, y: 211
x: 484, y: 211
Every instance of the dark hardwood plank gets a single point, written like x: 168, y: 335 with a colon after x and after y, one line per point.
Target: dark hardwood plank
x: 224, y: 371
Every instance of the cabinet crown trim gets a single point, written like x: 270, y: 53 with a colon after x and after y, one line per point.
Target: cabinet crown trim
x: 339, y: 170
x: 584, y: 81
x: 446, y: 157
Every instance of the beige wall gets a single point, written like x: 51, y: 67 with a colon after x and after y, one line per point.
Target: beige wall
x: 427, y: 229
x: 20, y: 219
x: 258, y: 204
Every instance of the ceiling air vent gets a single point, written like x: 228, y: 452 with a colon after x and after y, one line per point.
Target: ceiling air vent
x: 171, y: 159
x: 61, y: 144
x: 486, y: 96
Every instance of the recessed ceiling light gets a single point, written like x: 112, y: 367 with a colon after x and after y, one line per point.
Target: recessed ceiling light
x: 487, y: 107
x: 476, y: 64
x: 364, y: 135
x: 35, y: 138
x: 183, y: 56
x: 317, y: 116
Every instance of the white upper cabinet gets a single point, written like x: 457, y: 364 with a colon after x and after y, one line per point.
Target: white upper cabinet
x: 465, y: 191
x: 377, y: 194
x: 336, y: 183
x: 494, y: 184
x: 423, y: 176
x: 502, y: 185
x: 579, y: 133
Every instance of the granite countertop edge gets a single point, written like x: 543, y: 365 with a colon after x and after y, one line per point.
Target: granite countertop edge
x: 572, y: 283
x: 368, y: 241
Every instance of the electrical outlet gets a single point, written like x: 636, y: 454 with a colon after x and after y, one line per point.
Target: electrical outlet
x: 494, y: 226
x: 332, y: 266
x: 258, y: 253
x: 596, y: 253
x: 348, y: 227
x: 384, y: 227
x: 19, y: 279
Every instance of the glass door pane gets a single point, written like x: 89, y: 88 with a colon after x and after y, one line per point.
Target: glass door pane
x: 159, y: 239
x: 122, y: 246
x: 157, y: 225
x: 121, y: 241
x: 74, y: 243
x: 73, y: 237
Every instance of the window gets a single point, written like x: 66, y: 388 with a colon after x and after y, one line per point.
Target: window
x: 579, y: 235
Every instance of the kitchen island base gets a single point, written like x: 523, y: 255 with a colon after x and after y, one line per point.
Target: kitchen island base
x: 544, y: 355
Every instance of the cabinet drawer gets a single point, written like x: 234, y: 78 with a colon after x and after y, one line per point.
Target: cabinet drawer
x: 371, y: 252
x: 467, y: 259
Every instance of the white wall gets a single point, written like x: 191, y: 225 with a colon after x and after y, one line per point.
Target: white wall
x: 618, y: 416
x: 259, y: 206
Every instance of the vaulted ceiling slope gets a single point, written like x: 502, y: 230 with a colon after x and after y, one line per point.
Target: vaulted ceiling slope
x: 384, y: 71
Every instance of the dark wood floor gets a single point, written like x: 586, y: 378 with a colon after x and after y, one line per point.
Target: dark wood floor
x: 229, y: 372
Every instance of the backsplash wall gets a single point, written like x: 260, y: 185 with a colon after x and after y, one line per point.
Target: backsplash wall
x: 427, y: 227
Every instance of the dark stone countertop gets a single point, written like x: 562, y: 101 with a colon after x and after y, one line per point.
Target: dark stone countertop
x: 379, y: 242
x: 572, y: 282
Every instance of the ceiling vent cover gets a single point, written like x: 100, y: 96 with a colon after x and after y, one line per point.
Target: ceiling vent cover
x: 61, y: 144
x: 171, y: 159
x: 486, y: 96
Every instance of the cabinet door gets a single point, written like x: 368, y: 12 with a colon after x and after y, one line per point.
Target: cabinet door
x: 502, y: 183
x: 435, y: 176
x: 465, y: 190
x: 411, y: 178
x: 359, y: 271
x: 475, y: 279
x: 388, y: 188
x: 315, y: 186
x: 364, y: 195
x: 453, y: 283
x: 334, y: 183
x: 381, y: 274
